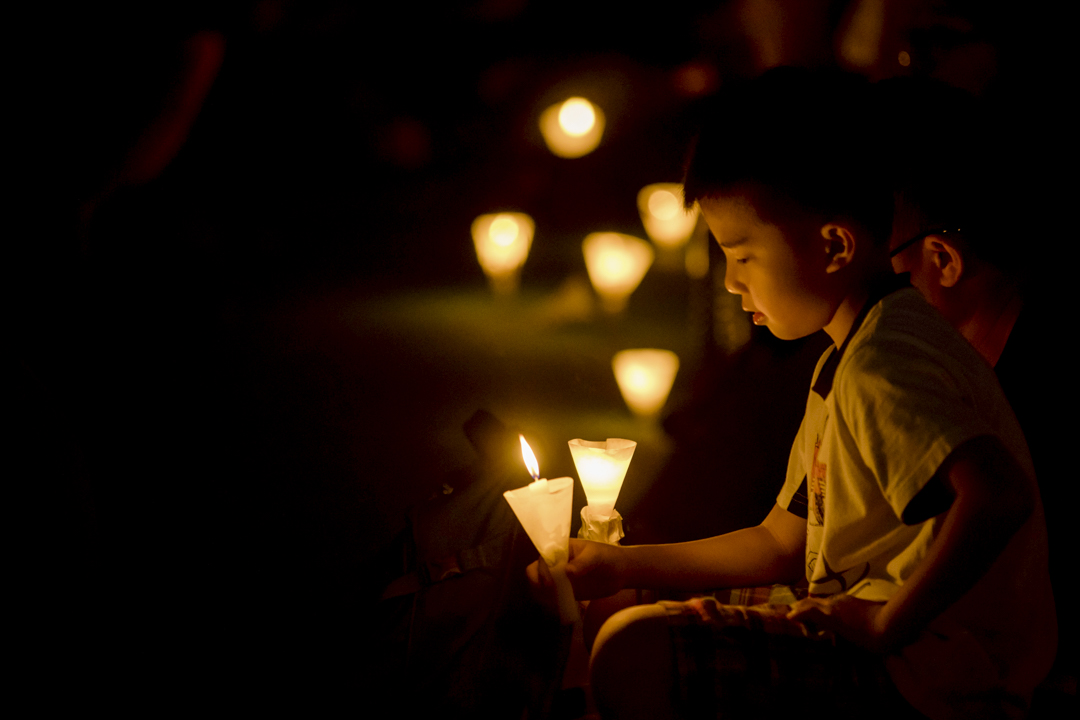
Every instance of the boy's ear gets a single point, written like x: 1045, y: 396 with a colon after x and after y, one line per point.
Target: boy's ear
x: 946, y: 258
x: 839, y: 245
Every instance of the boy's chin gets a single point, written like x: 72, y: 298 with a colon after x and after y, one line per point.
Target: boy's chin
x: 788, y: 333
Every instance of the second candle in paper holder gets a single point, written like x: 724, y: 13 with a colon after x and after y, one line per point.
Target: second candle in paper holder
x: 602, y: 468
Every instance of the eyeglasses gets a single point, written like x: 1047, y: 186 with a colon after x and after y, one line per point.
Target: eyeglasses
x: 922, y: 236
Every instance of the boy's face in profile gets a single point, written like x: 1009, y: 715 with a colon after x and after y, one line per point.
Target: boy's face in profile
x: 779, y: 272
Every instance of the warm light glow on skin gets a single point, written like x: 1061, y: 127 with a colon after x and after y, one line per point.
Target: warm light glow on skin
x: 666, y: 221
x: 529, y: 458
x: 502, y: 244
x: 572, y: 128
x: 602, y: 468
x: 616, y: 265
x: 645, y: 378
x: 904, y: 58
x: 576, y: 116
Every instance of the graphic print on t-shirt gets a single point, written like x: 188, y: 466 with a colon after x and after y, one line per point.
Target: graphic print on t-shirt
x: 816, y: 486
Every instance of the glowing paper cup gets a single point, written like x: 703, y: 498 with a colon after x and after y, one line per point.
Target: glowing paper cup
x: 502, y: 242
x: 544, y: 509
x: 602, y: 468
x: 616, y: 265
x: 645, y: 378
x: 668, y: 223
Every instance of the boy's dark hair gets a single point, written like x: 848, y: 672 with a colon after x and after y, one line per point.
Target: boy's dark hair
x: 805, y: 137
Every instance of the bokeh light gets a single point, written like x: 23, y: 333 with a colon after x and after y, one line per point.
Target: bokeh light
x: 645, y: 377
x: 616, y: 264
x: 576, y: 116
x: 502, y: 242
x: 666, y: 220
x: 572, y: 128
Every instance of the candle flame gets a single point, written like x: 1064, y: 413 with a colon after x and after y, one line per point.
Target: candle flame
x: 530, y: 459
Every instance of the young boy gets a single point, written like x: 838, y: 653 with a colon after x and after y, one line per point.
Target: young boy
x: 910, y: 505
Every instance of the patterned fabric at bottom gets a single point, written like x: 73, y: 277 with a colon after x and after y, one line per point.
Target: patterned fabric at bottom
x: 736, y: 661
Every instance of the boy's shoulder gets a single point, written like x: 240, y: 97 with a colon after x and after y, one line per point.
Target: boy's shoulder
x: 907, y: 362
x: 901, y: 338
x: 904, y: 333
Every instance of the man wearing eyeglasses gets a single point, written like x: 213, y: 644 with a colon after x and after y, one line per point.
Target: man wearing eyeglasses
x: 956, y: 200
x: 981, y: 300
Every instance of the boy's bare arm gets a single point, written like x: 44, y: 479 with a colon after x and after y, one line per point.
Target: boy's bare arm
x: 770, y: 552
x: 993, y: 499
x: 773, y: 551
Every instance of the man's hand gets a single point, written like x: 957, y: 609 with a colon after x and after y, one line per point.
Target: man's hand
x: 595, y: 570
x: 851, y: 618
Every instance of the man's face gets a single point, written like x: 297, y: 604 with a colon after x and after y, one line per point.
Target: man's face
x: 778, y: 272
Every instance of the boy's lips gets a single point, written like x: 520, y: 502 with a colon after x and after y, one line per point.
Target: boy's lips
x: 758, y: 317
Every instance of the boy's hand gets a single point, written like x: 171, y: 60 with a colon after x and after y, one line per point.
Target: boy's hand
x: 851, y: 618
x: 595, y: 570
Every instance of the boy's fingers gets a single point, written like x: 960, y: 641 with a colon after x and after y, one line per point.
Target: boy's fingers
x: 545, y: 573
x: 807, y: 604
x: 809, y: 612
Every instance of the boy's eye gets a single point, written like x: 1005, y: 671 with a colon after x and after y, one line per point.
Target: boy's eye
x: 741, y: 261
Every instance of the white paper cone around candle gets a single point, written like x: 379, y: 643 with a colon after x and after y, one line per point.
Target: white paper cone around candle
x: 502, y: 242
x: 607, y: 529
x: 572, y: 128
x: 616, y: 265
x: 645, y: 378
x: 602, y: 468
x: 545, y: 508
x: 667, y: 221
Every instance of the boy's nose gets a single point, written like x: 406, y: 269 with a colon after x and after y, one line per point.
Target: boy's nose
x: 731, y: 282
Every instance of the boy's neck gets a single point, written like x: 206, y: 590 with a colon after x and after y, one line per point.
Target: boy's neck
x: 852, y: 304
x: 844, y: 317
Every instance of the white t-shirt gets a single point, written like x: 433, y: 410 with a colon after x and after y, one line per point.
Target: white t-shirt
x: 908, y: 390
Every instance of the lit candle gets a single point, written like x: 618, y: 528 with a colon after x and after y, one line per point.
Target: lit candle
x: 544, y: 508
x: 602, y: 468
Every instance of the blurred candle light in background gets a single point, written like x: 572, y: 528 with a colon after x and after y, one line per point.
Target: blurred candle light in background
x: 572, y: 128
x: 502, y: 243
x: 668, y: 223
x: 645, y: 378
x: 616, y: 265
x: 861, y: 37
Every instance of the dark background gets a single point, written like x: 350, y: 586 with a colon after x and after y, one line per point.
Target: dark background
x: 239, y: 368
